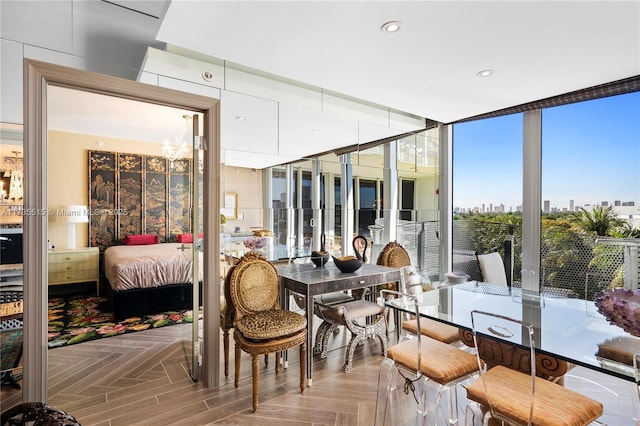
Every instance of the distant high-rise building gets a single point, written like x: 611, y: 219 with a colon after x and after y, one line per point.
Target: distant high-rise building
x: 617, y: 203
x: 571, y: 205
x: 547, y: 205
x: 605, y: 204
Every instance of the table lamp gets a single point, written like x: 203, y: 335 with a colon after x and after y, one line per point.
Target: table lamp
x: 72, y: 215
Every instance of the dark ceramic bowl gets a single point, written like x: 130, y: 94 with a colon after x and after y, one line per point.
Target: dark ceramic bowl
x: 319, y: 258
x: 347, y: 263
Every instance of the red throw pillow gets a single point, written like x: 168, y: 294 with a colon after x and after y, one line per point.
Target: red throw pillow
x: 139, y: 240
x: 187, y: 238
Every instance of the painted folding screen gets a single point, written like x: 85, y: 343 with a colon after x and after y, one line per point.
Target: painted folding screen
x: 137, y: 194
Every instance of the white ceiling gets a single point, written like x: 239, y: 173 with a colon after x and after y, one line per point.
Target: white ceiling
x: 537, y: 49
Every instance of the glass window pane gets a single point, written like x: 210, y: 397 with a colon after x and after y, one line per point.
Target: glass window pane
x: 487, y: 190
x: 590, y: 188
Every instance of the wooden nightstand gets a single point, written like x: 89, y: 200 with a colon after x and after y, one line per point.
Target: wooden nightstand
x: 74, y: 266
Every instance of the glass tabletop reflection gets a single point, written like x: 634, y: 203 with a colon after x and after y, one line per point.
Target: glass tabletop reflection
x: 570, y: 329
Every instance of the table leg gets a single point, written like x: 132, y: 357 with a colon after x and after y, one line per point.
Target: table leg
x: 309, y: 303
x: 284, y: 304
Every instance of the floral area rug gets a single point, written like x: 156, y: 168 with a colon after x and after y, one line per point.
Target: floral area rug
x: 78, y: 319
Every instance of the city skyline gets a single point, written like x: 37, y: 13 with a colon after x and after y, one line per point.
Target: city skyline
x: 590, y: 153
x: 546, y: 207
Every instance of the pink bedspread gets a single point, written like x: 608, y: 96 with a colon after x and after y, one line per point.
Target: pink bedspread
x: 147, y: 266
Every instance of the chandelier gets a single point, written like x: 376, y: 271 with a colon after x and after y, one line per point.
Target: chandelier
x: 174, y: 151
x: 15, y: 181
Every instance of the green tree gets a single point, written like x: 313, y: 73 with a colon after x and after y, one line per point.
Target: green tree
x: 600, y: 221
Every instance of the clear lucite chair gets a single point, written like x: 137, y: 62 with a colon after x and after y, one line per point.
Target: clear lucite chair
x: 419, y: 366
x: 514, y: 397
x: 636, y: 372
x: 411, y: 283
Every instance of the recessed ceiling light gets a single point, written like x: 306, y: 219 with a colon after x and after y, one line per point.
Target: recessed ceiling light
x: 241, y: 118
x: 315, y: 130
x: 484, y: 73
x: 391, y: 27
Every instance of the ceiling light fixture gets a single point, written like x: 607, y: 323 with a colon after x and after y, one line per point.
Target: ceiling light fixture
x: 391, y: 27
x: 484, y: 73
x: 240, y: 118
x: 179, y: 147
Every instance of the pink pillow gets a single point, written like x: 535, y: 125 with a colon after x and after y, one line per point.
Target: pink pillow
x: 187, y: 238
x: 139, y: 240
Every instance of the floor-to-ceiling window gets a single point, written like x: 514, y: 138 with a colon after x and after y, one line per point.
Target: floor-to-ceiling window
x: 590, y: 192
x: 367, y: 196
x: 279, y: 204
x: 487, y: 189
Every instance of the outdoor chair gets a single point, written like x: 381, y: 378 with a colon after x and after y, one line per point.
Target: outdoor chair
x: 260, y: 326
x: 492, y: 268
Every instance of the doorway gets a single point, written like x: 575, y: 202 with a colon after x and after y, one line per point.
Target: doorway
x: 39, y: 78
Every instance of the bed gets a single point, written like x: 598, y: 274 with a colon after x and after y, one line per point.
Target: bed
x: 147, y: 279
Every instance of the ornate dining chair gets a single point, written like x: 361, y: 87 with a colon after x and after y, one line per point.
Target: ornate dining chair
x: 363, y: 318
x: 423, y: 360
x: 227, y: 316
x: 260, y: 326
x: 515, y: 397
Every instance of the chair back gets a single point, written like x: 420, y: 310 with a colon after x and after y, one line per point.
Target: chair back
x: 227, y: 313
x: 409, y: 301
x: 636, y: 373
x: 410, y: 280
x: 492, y: 268
x: 503, y: 329
x: 394, y: 256
x: 254, y: 285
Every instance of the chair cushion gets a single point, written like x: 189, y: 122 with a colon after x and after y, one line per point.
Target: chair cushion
x: 332, y: 298
x: 270, y: 324
x: 355, y: 309
x: 510, y: 394
x: 435, y: 329
x: 440, y: 362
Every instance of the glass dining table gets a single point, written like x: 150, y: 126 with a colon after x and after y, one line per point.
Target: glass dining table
x: 569, y: 329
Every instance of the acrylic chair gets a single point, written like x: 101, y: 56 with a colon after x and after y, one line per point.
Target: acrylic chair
x: 411, y: 283
x: 636, y: 374
x: 512, y: 396
x: 421, y: 361
x: 260, y: 326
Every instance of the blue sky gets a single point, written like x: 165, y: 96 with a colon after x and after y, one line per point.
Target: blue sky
x: 590, y: 153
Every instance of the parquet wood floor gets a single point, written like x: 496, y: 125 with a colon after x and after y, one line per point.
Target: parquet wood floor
x: 143, y: 379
